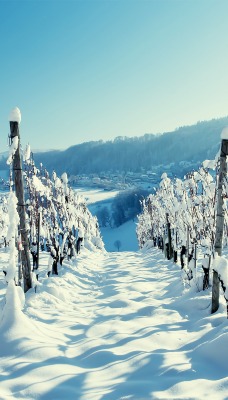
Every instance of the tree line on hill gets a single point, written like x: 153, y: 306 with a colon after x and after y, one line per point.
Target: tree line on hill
x: 189, y: 143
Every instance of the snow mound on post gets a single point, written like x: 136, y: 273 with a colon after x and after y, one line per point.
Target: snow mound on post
x: 220, y: 264
x: 224, y: 134
x: 15, y: 115
x: 17, y: 331
x: 12, y: 150
x: 13, y: 319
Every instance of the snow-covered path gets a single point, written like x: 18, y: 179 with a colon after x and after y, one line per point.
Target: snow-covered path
x: 114, y: 326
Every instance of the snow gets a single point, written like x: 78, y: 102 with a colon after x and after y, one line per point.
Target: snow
x: 224, y: 134
x: 12, y: 149
x: 11, y: 236
x: 125, y: 233
x: 211, y: 164
x: 96, y: 195
x: 220, y: 264
x: 97, y: 198
x: 111, y: 326
x: 64, y: 178
x: 15, y: 115
x: 164, y: 175
x: 27, y: 153
x: 39, y: 186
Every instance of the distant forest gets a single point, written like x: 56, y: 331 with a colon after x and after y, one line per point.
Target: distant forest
x: 188, y: 143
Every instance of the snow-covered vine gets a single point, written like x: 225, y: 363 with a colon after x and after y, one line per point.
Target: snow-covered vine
x: 188, y: 206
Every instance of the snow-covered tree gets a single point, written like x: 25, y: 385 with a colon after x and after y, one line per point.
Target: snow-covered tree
x: 188, y: 206
x: 59, y: 209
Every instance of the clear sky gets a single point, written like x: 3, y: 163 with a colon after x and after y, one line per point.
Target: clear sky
x: 90, y: 70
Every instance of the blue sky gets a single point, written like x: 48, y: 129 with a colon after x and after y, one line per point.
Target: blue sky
x: 91, y: 70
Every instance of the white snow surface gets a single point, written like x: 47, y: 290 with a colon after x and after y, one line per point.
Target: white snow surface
x: 125, y: 233
x: 27, y: 153
x: 15, y: 115
x: 12, y: 149
x: 111, y: 326
x: 96, y: 195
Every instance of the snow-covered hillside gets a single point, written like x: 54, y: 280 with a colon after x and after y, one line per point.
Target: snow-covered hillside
x: 112, y: 326
x: 126, y: 233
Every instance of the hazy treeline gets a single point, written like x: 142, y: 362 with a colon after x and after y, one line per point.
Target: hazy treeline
x: 189, y: 143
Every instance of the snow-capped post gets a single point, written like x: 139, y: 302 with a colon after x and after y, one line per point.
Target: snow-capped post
x: 219, y: 216
x: 14, y: 120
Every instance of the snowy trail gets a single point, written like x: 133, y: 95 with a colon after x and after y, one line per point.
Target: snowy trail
x: 114, y: 326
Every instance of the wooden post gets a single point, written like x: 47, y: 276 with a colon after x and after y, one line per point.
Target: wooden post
x: 19, y: 268
x: 38, y: 240
x: 187, y: 246
x: 195, y: 256
x: 219, y: 222
x: 19, y: 189
x: 169, y: 237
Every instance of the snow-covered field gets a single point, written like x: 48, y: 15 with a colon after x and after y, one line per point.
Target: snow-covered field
x: 97, y: 198
x: 97, y: 195
x: 126, y: 233
x: 112, y: 326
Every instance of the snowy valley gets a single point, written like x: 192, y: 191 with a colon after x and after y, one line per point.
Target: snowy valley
x: 84, y: 321
x: 119, y: 325
x: 114, y: 200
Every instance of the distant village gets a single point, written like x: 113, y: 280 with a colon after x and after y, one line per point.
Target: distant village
x: 125, y: 180
x: 121, y: 180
